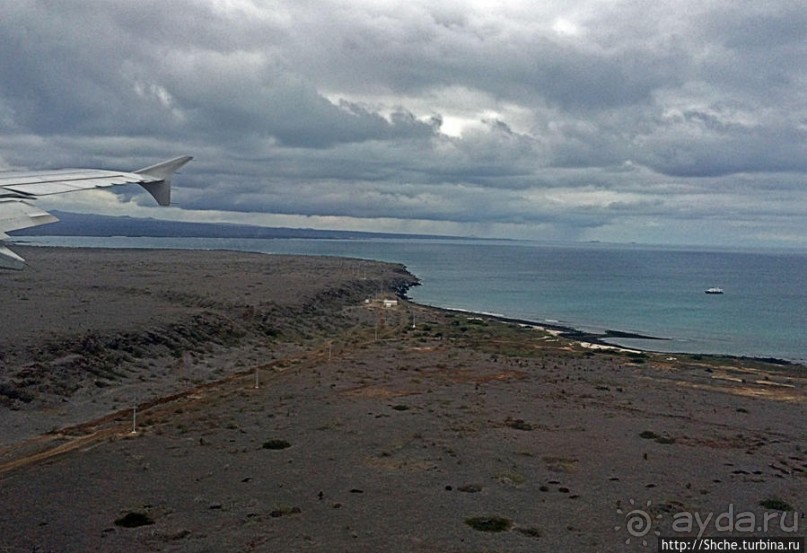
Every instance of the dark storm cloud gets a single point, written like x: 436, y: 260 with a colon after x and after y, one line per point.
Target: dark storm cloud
x: 604, y: 117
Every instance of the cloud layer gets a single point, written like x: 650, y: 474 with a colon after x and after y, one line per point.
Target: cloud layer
x: 681, y: 122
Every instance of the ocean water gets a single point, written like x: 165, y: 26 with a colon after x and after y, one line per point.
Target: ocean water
x: 595, y: 287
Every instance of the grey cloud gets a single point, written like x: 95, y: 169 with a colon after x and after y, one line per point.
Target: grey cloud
x: 660, y: 112
x: 420, y: 54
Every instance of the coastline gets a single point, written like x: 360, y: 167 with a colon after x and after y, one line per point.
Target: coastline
x: 600, y: 339
x: 277, y: 408
x: 570, y: 332
x: 737, y: 325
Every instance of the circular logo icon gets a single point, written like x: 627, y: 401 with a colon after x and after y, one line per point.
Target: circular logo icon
x: 638, y: 522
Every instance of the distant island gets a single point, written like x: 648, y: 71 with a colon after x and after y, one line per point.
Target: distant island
x: 82, y: 224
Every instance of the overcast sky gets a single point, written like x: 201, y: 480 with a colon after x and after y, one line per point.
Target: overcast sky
x: 665, y: 121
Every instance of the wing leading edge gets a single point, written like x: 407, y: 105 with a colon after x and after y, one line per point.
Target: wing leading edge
x: 17, y: 188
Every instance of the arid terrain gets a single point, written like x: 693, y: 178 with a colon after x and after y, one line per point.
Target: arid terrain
x: 131, y: 419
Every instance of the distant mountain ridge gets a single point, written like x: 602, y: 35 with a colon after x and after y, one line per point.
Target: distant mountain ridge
x: 81, y: 224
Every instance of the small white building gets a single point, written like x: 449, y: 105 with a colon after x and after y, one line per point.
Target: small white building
x: 390, y: 303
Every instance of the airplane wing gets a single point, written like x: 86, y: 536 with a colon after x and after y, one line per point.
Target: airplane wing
x: 19, y: 187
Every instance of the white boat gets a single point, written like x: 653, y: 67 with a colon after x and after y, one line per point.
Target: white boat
x: 714, y: 290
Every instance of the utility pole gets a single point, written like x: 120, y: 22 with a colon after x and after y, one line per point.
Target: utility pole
x: 134, y: 418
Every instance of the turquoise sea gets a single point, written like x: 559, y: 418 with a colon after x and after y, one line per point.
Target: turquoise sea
x: 594, y: 287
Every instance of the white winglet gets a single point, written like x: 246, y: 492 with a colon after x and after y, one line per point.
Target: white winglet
x: 157, y: 178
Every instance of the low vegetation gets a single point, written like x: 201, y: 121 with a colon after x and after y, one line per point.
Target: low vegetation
x: 650, y: 435
x: 776, y: 504
x: 276, y: 444
x: 134, y: 519
x: 489, y: 524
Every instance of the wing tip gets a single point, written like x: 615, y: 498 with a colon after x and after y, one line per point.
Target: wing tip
x: 164, y: 169
x: 10, y: 260
x: 157, y: 179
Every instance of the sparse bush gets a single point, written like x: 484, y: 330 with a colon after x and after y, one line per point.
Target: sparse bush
x: 776, y: 504
x: 489, y: 524
x: 518, y: 424
x: 650, y: 435
x: 134, y: 519
x: 530, y: 532
x: 15, y: 393
x: 276, y: 444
